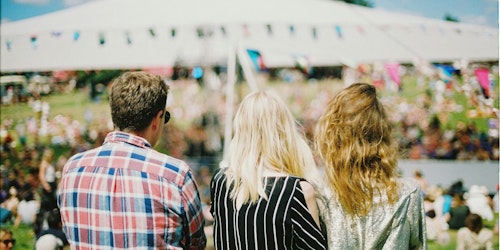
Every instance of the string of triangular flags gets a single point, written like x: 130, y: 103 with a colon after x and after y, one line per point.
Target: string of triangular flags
x: 206, y: 32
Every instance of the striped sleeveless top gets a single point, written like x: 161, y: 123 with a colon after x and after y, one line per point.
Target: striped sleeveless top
x: 280, y: 222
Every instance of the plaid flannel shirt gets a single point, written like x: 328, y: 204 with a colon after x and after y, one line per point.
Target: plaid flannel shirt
x: 125, y: 195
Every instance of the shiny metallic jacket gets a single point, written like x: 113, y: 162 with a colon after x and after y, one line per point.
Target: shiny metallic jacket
x: 397, y: 226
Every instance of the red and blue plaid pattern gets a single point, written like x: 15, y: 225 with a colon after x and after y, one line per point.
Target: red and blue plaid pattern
x: 125, y: 195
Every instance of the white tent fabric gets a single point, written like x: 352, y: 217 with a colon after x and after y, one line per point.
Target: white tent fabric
x: 327, y: 32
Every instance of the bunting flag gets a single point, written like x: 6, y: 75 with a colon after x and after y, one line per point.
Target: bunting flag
x: 76, y: 36
x: 223, y: 31
x: 246, y: 32
x: 445, y: 72
x: 292, y: 30
x: 269, y: 29
x: 393, y: 71
x: 303, y: 63
x: 339, y: 30
x: 200, y: 32
x: 482, y: 75
x: 34, y: 42
x: 129, y: 39
x: 56, y: 34
x: 315, y: 33
x: 102, y: 39
x: 152, y: 32
x: 8, y: 43
x: 257, y: 60
x: 197, y: 73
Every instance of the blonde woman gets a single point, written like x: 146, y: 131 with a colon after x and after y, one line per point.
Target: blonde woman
x: 264, y: 199
x: 367, y: 205
x: 47, y: 176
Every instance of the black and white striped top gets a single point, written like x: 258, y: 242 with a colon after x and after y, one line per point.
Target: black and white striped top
x: 281, y: 222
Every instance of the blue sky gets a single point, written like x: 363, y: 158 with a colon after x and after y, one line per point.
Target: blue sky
x: 482, y: 12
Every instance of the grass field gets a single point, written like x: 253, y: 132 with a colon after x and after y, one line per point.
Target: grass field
x: 25, y: 238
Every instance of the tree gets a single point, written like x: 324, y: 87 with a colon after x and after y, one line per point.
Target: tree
x: 450, y: 18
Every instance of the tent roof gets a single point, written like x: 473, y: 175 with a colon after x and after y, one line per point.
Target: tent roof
x: 327, y: 32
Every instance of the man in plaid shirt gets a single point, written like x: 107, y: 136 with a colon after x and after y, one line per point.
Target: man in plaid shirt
x: 125, y: 194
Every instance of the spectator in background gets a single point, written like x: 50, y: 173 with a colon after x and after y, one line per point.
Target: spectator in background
x: 27, y: 209
x: 458, y: 212
x: 419, y: 177
x: 9, y: 206
x: 7, y: 241
x: 478, y: 201
x: 366, y: 206
x: 47, y: 176
x: 52, y: 238
x: 474, y: 235
x: 155, y: 192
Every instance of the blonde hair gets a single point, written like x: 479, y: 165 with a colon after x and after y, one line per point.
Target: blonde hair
x: 48, y: 155
x: 4, y: 232
x: 265, y: 136
x: 353, y: 137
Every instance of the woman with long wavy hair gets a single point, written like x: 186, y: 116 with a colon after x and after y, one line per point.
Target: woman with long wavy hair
x: 367, y: 205
x: 265, y: 198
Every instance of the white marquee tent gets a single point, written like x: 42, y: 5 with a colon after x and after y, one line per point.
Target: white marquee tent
x: 113, y: 34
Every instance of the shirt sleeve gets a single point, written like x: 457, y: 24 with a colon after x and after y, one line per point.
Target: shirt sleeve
x: 418, y: 236
x: 195, y: 222
x: 307, y: 233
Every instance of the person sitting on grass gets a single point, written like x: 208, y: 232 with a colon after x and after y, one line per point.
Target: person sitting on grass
x: 27, y: 209
x: 52, y: 238
x: 474, y: 235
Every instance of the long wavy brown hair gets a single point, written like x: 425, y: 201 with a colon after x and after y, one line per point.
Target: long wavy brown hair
x: 353, y: 138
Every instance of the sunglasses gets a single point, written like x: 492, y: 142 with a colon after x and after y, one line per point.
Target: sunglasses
x: 7, y: 242
x: 167, y: 116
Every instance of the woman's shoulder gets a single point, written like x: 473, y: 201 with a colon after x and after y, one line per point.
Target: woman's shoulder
x: 288, y: 181
x: 308, y: 190
x: 219, y: 174
x: 408, y: 186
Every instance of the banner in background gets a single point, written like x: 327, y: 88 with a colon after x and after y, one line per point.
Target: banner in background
x: 393, y: 71
x: 483, y: 78
x: 257, y: 59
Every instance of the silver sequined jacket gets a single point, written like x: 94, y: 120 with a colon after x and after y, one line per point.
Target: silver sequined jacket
x: 397, y: 226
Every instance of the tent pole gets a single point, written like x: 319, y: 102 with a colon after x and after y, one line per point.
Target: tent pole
x: 231, y: 79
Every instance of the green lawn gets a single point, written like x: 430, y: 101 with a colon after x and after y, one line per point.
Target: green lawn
x: 25, y: 238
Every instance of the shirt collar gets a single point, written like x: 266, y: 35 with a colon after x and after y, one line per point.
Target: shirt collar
x: 119, y: 136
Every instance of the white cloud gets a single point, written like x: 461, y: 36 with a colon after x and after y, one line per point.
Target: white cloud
x: 479, y: 20
x: 35, y: 2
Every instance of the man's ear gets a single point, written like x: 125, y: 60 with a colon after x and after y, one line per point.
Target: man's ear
x: 157, y: 120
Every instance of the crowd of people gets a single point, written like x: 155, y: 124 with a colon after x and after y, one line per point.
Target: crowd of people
x: 31, y: 176
x: 458, y: 208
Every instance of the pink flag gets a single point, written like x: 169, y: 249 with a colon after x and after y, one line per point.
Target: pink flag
x: 393, y: 71
x: 482, y: 75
